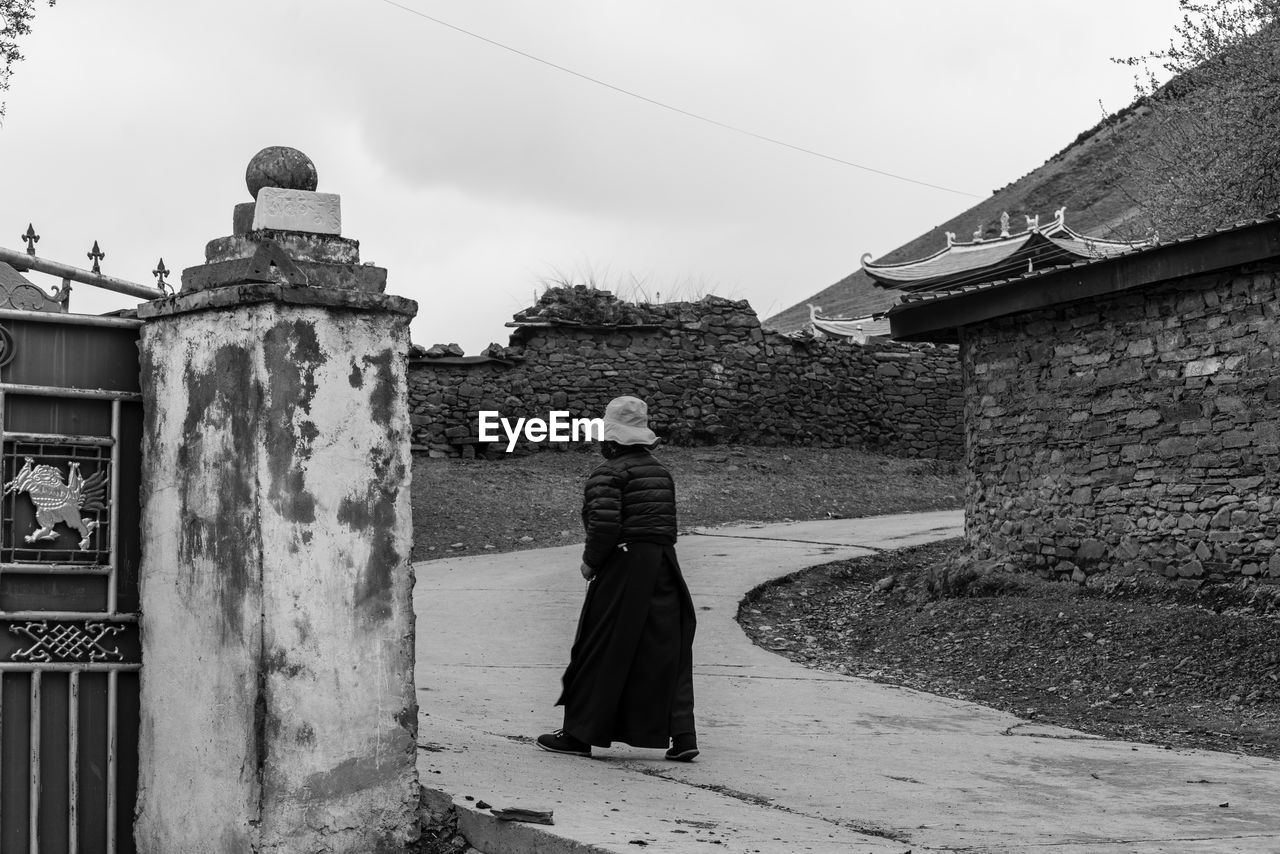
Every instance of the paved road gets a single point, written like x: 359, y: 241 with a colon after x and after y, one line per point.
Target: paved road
x: 793, y: 759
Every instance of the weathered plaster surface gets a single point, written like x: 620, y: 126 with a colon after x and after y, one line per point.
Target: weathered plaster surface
x: 278, y: 701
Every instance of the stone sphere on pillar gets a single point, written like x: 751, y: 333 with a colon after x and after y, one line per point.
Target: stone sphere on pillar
x: 280, y: 166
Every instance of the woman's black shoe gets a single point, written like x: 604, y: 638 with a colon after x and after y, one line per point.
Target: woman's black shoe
x: 561, y: 742
x: 683, y: 748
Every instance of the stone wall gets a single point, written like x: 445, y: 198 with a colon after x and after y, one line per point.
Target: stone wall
x: 1134, y: 434
x: 708, y: 372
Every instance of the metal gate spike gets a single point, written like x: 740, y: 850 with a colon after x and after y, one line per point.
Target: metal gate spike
x: 32, y: 239
x: 96, y: 255
x: 160, y: 272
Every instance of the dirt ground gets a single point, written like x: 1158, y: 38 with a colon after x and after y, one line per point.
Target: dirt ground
x: 1183, y: 670
x: 535, y: 501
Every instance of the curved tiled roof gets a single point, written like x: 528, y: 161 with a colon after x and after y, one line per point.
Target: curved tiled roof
x: 859, y: 328
x: 1030, y: 276
x: 960, y: 264
x: 1238, y: 243
x: 953, y: 260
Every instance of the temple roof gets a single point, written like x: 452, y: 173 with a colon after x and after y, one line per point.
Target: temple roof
x: 938, y: 315
x: 853, y: 328
x: 966, y: 263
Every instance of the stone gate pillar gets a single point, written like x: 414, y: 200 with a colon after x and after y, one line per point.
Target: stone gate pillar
x: 278, y: 706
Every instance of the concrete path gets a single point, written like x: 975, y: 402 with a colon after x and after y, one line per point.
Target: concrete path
x: 793, y: 759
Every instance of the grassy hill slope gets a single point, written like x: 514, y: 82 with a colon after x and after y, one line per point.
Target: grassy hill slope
x: 1088, y: 176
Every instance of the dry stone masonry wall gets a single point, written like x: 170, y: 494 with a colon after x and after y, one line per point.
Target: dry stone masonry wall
x: 708, y: 371
x: 1134, y: 434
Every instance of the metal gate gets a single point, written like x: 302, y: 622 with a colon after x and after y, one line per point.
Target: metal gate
x: 69, y: 553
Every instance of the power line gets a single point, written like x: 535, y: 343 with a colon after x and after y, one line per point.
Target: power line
x: 674, y: 109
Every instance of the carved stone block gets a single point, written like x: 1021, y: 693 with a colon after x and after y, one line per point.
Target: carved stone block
x: 297, y: 210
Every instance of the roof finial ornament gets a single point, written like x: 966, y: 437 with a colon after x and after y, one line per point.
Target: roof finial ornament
x: 977, y: 234
x: 32, y: 239
x: 280, y: 166
x: 866, y: 256
x: 951, y: 238
x: 1060, y: 215
x: 1033, y: 223
x: 1004, y: 224
x: 95, y: 255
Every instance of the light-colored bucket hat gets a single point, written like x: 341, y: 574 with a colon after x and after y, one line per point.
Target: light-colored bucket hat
x: 626, y: 421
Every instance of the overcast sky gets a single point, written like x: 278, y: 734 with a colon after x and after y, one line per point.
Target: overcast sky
x: 473, y: 174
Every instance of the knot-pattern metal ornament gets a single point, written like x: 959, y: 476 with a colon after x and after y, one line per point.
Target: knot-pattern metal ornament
x: 67, y: 642
x: 96, y: 255
x: 32, y: 239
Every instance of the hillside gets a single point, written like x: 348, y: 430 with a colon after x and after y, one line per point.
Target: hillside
x: 1088, y: 176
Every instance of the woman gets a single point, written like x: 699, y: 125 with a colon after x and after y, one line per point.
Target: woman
x: 630, y: 674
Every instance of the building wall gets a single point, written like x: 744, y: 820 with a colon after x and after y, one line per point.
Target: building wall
x: 1134, y: 434
x: 279, y: 710
x: 709, y: 374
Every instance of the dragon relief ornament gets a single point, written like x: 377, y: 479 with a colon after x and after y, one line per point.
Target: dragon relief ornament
x: 56, y: 501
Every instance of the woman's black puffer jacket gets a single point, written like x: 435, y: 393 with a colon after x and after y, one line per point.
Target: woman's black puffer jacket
x: 629, y: 499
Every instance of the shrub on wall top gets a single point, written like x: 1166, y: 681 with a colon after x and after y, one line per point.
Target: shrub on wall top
x: 583, y: 305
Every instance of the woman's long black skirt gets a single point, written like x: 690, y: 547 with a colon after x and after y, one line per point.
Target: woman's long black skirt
x: 630, y: 674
